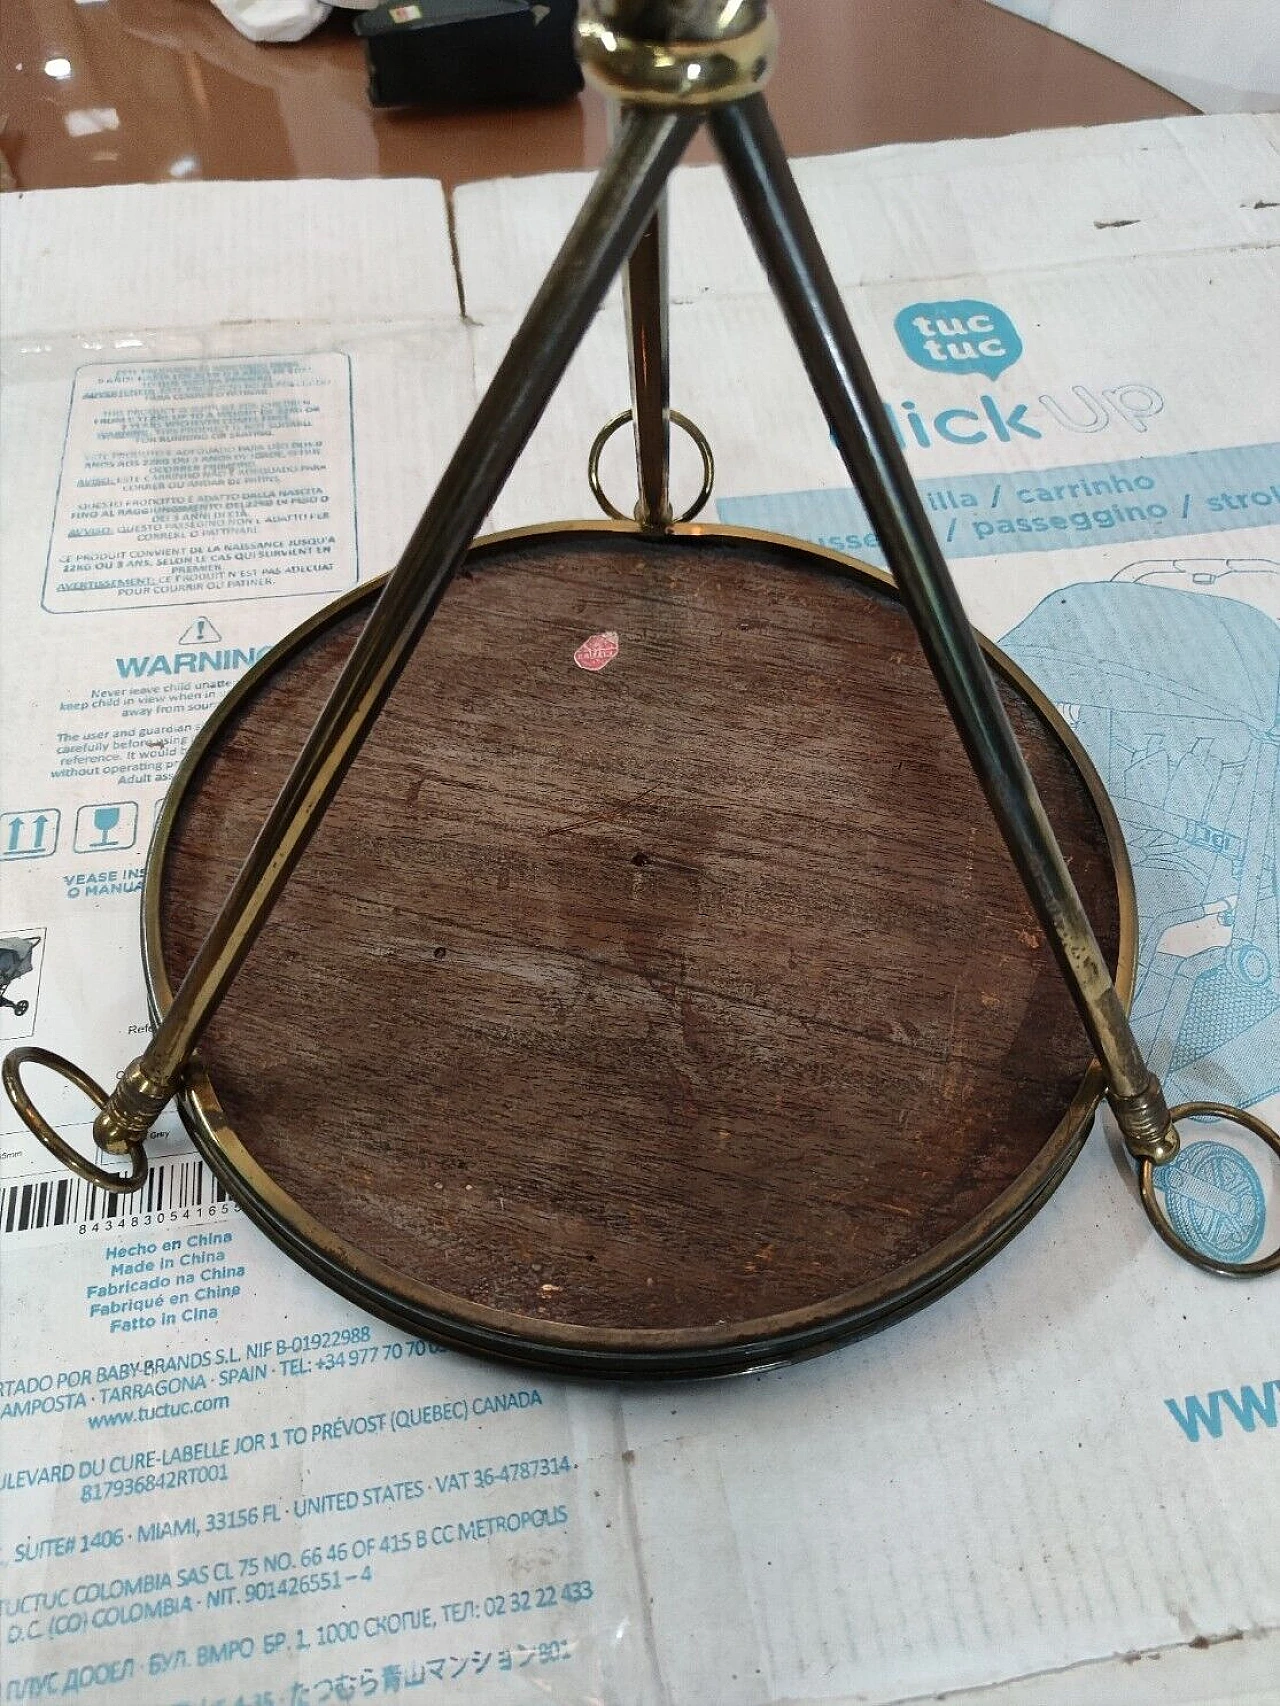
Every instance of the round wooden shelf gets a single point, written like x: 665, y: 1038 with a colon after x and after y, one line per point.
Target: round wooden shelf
x: 675, y: 1016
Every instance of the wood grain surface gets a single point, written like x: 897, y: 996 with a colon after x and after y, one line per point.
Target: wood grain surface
x: 686, y: 991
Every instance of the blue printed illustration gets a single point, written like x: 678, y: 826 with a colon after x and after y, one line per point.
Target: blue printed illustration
x: 1214, y: 1200
x: 1255, y: 580
x: 1176, y: 698
x: 964, y: 336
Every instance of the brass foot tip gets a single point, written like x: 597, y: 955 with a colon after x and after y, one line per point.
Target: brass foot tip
x: 1146, y: 1124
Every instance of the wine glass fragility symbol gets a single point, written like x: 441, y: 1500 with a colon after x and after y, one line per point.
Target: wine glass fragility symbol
x: 105, y: 819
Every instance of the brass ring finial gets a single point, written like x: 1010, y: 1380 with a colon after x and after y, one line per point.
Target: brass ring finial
x: 1159, y: 1216
x: 40, y: 1128
x: 722, y: 53
x: 611, y: 509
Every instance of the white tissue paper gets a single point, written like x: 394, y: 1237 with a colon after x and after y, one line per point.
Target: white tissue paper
x: 274, y: 20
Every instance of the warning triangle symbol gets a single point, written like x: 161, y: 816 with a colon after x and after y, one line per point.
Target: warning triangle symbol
x: 200, y: 633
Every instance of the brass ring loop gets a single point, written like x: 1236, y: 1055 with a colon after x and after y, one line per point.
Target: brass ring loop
x: 1159, y: 1217
x: 40, y: 1128
x: 695, y: 433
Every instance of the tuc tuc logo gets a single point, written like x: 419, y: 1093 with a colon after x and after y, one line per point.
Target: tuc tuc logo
x: 965, y: 336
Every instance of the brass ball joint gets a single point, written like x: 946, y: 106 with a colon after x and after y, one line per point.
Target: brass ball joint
x: 687, y: 55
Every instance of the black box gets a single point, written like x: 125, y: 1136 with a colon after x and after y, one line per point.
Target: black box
x: 467, y: 53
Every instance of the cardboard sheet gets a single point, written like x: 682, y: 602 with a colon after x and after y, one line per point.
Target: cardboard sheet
x: 1072, y: 336
x: 925, y: 210
x: 220, y: 1481
x: 162, y: 256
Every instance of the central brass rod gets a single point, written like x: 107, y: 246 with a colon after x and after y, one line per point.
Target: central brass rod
x: 645, y: 295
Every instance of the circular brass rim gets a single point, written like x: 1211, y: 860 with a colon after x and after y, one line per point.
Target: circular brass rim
x: 625, y: 1353
x: 695, y: 433
x: 1159, y: 1218
x: 40, y: 1128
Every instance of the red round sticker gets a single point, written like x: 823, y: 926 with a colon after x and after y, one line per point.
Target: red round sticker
x: 597, y: 651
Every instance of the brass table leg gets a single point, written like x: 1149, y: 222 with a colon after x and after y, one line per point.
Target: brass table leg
x: 797, y: 268
x: 650, y: 141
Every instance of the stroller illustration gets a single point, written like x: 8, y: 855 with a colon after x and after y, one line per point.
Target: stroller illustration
x: 15, y: 962
x: 1176, y: 698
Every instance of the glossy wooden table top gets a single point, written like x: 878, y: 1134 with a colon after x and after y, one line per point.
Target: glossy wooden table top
x: 127, y: 91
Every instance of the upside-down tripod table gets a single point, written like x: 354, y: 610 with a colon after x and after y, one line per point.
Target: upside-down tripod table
x: 655, y: 995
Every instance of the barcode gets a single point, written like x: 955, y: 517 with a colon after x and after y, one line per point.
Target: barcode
x: 170, y: 1186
